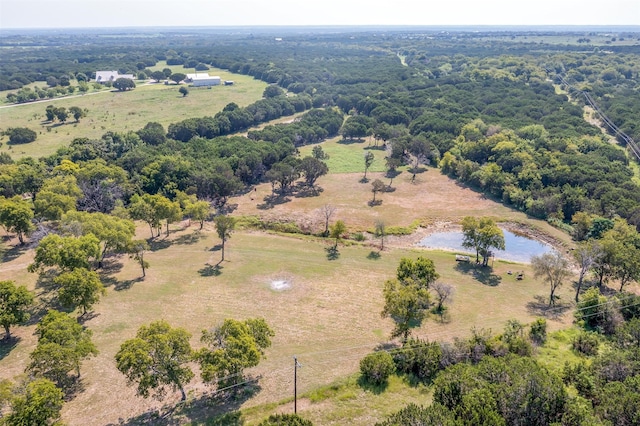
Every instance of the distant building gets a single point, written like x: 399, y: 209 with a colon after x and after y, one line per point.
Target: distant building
x: 111, y: 76
x: 203, y: 79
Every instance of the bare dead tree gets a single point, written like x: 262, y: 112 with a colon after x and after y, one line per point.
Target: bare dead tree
x: 444, y: 293
x: 327, y: 212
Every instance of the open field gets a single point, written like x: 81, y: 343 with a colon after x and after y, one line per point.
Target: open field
x: 329, y: 317
x: 124, y: 111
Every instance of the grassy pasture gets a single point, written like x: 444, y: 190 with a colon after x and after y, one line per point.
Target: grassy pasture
x: 329, y: 317
x: 123, y: 111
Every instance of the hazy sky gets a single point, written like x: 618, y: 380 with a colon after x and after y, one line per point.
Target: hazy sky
x: 125, y: 13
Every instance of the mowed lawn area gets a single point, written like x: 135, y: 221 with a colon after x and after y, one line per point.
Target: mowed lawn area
x: 124, y: 111
x: 329, y: 316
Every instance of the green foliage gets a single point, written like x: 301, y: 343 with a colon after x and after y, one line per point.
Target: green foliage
x: 552, y: 268
x: 482, y: 235
x: 285, y: 420
x: 15, y: 302
x: 79, y: 288
x: 586, y: 343
x: 156, y: 359
x: 231, y: 348
x: 597, y: 312
x: 124, y: 84
x: 406, y: 303
x: 66, y: 253
x: 337, y: 230
x: 421, y: 272
x: 20, y: 135
x: 376, y: 367
x: 420, y: 359
x: 538, y: 331
x: 16, y: 216
x: 434, y: 414
x: 224, y: 227
x: 62, y: 345
x: 39, y: 403
x: 183, y: 91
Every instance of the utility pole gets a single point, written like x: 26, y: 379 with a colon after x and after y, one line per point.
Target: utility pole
x: 296, y: 364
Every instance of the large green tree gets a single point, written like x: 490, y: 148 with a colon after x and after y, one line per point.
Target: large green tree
x: 123, y: 84
x: 66, y: 253
x: 421, y: 271
x: 62, y: 345
x: 231, y: 348
x: 15, y: 302
x: 79, y: 288
x: 157, y: 358
x: 482, y: 235
x: 16, y: 216
x: 406, y: 303
x: 38, y: 404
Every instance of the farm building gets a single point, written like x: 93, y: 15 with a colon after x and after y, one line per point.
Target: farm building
x: 105, y: 76
x: 203, y: 79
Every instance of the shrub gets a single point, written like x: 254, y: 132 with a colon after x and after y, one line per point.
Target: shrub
x: 285, y: 420
x: 586, y: 343
x: 20, y: 135
x: 359, y: 236
x: 377, y: 367
x: 419, y: 358
x: 538, y: 331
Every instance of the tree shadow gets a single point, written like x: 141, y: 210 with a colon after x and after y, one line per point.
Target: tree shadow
x: 14, y: 252
x: 483, y: 274
x: 126, y: 284
x: 364, y: 180
x: 375, y: 389
x: 373, y: 255
x: 156, y: 245
x: 82, y: 319
x: 372, y: 203
x: 270, y: 201
x: 540, y: 307
x: 305, y: 191
x: 189, y: 239
x: 110, y: 266
x: 350, y: 141
x: 392, y: 174
x: 375, y: 148
x: 212, y: 409
x: 7, y: 345
x: 210, y: 270
x: 332, y: 253
x: 217, y: 247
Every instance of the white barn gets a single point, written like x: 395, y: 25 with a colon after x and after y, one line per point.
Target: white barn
x: 105, y: 76
x: 200, y: 80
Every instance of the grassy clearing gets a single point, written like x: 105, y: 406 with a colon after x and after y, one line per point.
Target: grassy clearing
x: 124, y: 111
x: 329, y: 317
x: 348, y: 156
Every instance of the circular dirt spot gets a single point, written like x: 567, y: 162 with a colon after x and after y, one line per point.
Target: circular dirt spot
x: 280, y: 285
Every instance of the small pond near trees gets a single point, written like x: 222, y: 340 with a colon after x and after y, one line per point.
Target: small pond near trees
x: 517, y: 247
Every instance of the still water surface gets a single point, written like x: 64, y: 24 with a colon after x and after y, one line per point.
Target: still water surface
x: 517, y: 248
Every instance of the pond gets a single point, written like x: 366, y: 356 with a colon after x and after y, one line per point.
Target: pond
x: 517, y: 248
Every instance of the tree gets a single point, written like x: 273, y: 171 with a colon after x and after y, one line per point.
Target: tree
x: 376, y: 186
x: 312, y: 169
x: 123, y: 84
x: 39, y: 404
x: 158, y: 75
x: 231, y: 348
x: 421, y: 272
x: 58, y: 195
x: 152, y: 133
x: 318, y: 153
x: 20, y: 135
x: 61, y: 114
x: 62, y: 345
x: 157, y: 358
x: 50, y: 112
x: 136, y: 250
x: 327, y: 211
x: 66, y: 253
x: 380, y: 232
x: 198, y: 210
x: 587, y: 254
x: 482, y: 235
x: 553, y: 268
x: 79, y: 288
x: 368, y: 161
x: 443, y: 292
x: 14, y: 305
x: 77, y: 113
x: 112, y: 232
x: 376, y: 367
x: 177, y: 77
x: 224, y: 228
x: 184, y: 91
x: 337, y: 230
x: 405, y: 303
x: 16, y: 216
